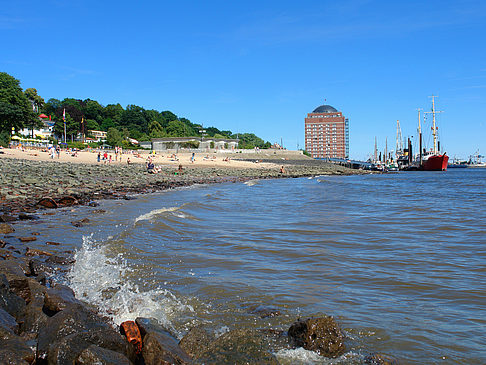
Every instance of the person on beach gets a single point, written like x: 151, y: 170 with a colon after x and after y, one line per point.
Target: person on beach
x: 179, y: 170
x: 193, y: 157
x: 99, y: 156
x: 282, y: 170
x: 58, y: 150
x: 128, y: 160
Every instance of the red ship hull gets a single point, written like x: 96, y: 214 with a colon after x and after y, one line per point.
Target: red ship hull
x: 436, y: 163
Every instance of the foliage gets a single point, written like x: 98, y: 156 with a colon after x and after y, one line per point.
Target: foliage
x: 142, y: 124
x: 15, y: 109
x: 77, y: 145
x: 250, y: 140
x: 190, y: 144
x: 4, y: 138
x: 114, y: 137
x: 306, y: 153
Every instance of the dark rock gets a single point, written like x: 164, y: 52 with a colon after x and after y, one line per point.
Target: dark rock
x: 80, y: 223
x: 196, y: 342
x: 321, y: 335
x: 68, y: 201
x: 264, y: 311
x: 238, y: 347
x: 36, y: 252
x: 93, y: 204
x: 52, y: 243
x: 147, y: 325
x: 27, y: 239
x: 59, y: 298
x: 98, y: 355
x: 15, y: 351
x: 34, y: 317
x: 47, y: 203
x: 23, y: 216
x: 380, y: 359
x: 8, y: 322
x: 10, y: 302
x: 6, y: 228
x: 6, y: 218
x: 162, y: 348
x: 20, y: 286
x: 76, y: 320
x: 67, y: 349
x: 99, y: 211
x: 37, y: 267
x: 2, y: 243
x: 61, y: 260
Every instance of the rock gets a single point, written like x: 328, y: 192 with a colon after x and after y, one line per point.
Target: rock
x: 80, y: 223
x: 321, y: 335
x: 98, y: 355
x: 8, y: 322
x: 68, y: 201
x: 38, y: 267
x: 264, y: 311
x: 380, y: 359
x: 35, y: 252
x: 6, y: 218
x: 2, y: 243
x: 27, y: 239
x: 59, y: 298
x: 70, y: 347
x: 61, y: 260
x: 23, y: 216
x: 15, y: 351
x: 76, y: 320
x: 6, y: 228
x: 47, y: 203
x: 162, y: 348
x: 196, y: 342
x: 238, y: 347
x: 52, y: 243
x: 10, y: 302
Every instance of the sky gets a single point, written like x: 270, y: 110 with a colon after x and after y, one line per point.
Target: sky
x: 261, y: 66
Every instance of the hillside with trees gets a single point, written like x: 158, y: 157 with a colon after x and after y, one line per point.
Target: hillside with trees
x: 19, y: 109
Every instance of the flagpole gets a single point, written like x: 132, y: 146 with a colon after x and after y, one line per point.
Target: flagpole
x: 64, y: 120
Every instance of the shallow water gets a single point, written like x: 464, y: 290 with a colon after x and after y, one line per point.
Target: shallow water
x: 398, y: 259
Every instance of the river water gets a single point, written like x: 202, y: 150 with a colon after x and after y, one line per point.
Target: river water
x: 399, y: 260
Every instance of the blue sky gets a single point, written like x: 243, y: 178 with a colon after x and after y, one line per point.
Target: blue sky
x: 261, y: 66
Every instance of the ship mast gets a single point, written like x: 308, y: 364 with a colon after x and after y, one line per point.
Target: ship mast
x: 399, y: 149
x: 420, y: 138
x: 434, y: 128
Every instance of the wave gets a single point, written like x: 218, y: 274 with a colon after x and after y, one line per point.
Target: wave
x: 104, y: 281
x: 251, y: 182
x: 155, y: 212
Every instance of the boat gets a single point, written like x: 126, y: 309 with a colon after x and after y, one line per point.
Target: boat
x: 432, y: 160
x: 457, y: 164
x: 475, y: 161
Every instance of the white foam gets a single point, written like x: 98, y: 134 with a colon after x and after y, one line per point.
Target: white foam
x: 251, y: 182
x: 103, y: 282
x: 300, y: 356
x: 156, y: 212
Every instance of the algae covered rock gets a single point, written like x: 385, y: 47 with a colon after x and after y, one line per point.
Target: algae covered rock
x: 321, y: 335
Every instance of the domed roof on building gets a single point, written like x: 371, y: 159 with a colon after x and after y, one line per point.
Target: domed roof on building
x: 325, y: 109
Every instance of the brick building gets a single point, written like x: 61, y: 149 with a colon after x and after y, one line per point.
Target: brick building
x: 327, y: 133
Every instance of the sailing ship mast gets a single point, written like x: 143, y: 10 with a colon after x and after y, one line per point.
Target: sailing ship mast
x: 434, y: 128
x: 399, y: 149
x: 420, y: 138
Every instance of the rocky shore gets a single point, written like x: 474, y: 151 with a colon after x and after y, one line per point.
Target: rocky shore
x: 42, y: 322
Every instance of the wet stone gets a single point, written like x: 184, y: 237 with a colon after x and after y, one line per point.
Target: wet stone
x: 6, y: 228
x: 98, y: 355
x: 23, y: 216
x: 47, y: 203
x: 380, y: 359
x: 27, y: 239
x: 59, y: 298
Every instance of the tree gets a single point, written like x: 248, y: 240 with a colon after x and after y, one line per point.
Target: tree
x: 72, y: 127
x: 37, y: 103
x: 175, y: 128
x: 114, y: 137
x: 114, y: 112
x: 156, y: 130
x: 51, y: 107
x: 15, y: 108
x: 93, y: 110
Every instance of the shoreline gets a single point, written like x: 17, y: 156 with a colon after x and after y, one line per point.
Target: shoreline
x: 25, y: 179
x: 41, y: 311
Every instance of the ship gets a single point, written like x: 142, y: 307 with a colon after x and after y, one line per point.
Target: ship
x: 432, y: 160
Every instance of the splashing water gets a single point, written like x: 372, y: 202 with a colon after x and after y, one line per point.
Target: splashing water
x: 102, y: 281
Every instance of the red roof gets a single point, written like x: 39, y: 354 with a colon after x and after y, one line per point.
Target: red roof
x: 43, y: 116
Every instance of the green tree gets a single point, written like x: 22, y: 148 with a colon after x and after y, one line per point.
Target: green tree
x: 15, y: 108
x: 114, y: 137
x: 114, y: 112
x: 156, y: 130
x: 72, y: 128
x: 93, y: 110
x: 175, y: 128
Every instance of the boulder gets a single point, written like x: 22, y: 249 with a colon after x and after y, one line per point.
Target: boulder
x: 162, y: 348
x: 265, y: 311
x: 98, y: 355
x: 10, y: 302
x: 6, y: 218
x: 239, y: 346
x: 69, y: 348
x: 47, y: 203
x: 380, y: 359
x: 6, y: 228
x: 23, y: 216
x: 59, y: 298
x: 7, y: 322
x: 68, y: 201
x: 196, y: 342
x: 15, y: 351
x: 80, y: 223
x: 75, y: 319
x: 321, y: 335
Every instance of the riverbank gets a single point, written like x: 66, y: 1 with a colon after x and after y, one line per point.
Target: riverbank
x: 28, y: 176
